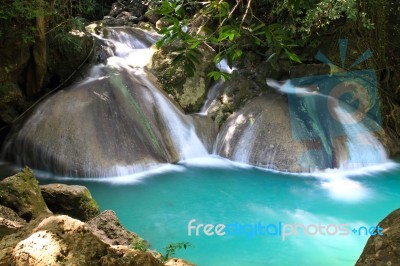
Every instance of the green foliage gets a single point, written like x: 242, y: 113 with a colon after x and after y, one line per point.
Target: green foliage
x: 227, y: 29
x: 311, y: 16
x: 140, y: 244
x: 171, y: 249
x: 264, y: 25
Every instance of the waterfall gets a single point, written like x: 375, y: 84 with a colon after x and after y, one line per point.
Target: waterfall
x: 114, y: 122
x: 362, y: 148
x: 212, y: 94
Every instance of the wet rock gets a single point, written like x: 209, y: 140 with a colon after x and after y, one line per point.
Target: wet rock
x: 206, y: 129
x: 260, y: 134
x: 72, y: 200
x: 133, y: 137
x: 383, y: 250
x: 21, y: 193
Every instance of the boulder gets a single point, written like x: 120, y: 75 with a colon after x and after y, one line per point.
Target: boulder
x: 21, y: 193
x: 63, y: 240
x: 260, y: 134
x: 72, y: 200
x: 383, y: 250
x: 61, y: 134
x: 107, y: 227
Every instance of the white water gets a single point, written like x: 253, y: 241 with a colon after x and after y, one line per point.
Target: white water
x: 134, y: 55
x: 212, y: 95
x: 363, y: 148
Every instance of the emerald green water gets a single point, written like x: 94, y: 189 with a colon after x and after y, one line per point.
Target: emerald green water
x: 158, y: 206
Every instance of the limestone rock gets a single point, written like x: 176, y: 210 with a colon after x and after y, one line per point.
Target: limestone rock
x: 189, y: 92
x: 63, y: 240
x: 206, y: 129
x: 178, y: 262
x: 21, y: 193
x: 9, y: 221
x: 260, y: 134
x: 75, y: 201
x: 9, y: 214
x: 107, y: 227
x: 8, y: 227
x: 383, y: 250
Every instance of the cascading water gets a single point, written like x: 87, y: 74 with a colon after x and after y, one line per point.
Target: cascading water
x: 115, y: 122
x: 214, y: 91
x: 361, y: 145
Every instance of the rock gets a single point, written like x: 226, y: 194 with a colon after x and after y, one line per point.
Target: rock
x: 152, y: 16
x: 383, y: 250
x: 133, y: 137
x: 64, y: 62
x: 248, y: 134
x: 107, y: 227
x: 162, y: 23
x: 10, y: 222
x: 178, y: 262
x: 9, y: 214
x: 21, y: 193
x: 206, y: 129
x: 72, y: 200
x: 189, y: 92
x: 64, y: 240
x: 8, y: 227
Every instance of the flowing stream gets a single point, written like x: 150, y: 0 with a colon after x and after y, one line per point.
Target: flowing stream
x: 158, y: 176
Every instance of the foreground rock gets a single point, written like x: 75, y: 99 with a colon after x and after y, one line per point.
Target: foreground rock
x: 60, y: 239
x: 383, y: 250
x: 21, y: 193
x: 107, y: 227
x: 74, y: 201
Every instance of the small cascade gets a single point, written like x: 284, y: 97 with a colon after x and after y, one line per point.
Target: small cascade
x: 180, y: 127
x: 212, y: 94
x: 214, y: 91
x: 115, y: 122
x: 347, y: 134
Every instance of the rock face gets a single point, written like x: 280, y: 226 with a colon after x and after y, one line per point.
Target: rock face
x: 21, y: 193
x: 260, y: 134
x: 189, y: 92
x: 383, y: 250
x: 107, y: 227
x: 75, y: 201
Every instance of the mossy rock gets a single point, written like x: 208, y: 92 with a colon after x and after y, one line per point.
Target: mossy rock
x: 21, y: 193
x: 75, y: 201
x: 189, y: 92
